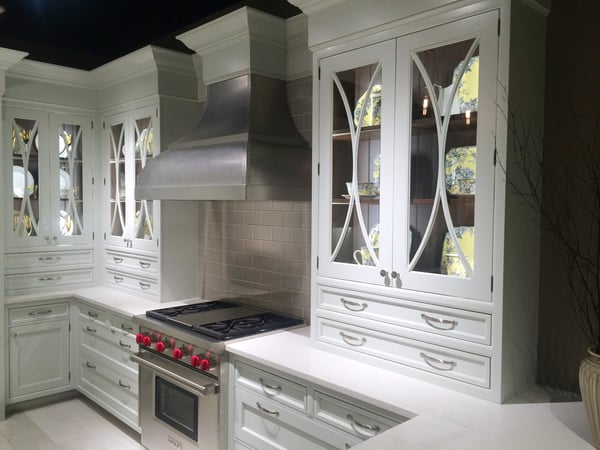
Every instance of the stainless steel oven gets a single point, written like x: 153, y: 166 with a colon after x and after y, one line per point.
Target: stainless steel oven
x: 179, y: 408
x: 183, y: 402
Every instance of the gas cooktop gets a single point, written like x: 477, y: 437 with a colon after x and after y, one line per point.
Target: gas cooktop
x: 222, y: 320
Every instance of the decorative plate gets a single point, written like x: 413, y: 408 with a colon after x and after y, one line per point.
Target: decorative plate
x: 64, y: 144
x: 460, y: 165
x: 22, y: 226
x: 145, y: 142
x: 19, y: 186
x: 65, y: 223
x: 64, y: 182
x: 372, y: 108
x: 468, y: 86
x: 451, y: 263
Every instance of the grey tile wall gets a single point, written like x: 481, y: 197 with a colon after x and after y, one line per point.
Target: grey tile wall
x: 260, y: 249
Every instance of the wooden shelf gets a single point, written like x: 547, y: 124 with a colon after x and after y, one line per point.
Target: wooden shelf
x: 367, y: 132
x: 363, y: 200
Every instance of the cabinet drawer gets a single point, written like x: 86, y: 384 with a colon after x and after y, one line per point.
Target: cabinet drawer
x: 272, y: 386
x: 265, y: 425
x: 351, y: 418
x: 459, y: 324
x: 48, y: 260
x: 447, y: 362
x: 139, y: 284
x: 35, y: 281
x: 92, y: 313
x: 125, y: 261
x: 105, y: 343
x: 37, y: 313
x: 122, y: 325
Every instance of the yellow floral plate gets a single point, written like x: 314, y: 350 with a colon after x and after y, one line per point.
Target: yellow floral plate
x: 468, y: 86
x: 372, y: 114
x: 451, y: 263
x: 460, y: 168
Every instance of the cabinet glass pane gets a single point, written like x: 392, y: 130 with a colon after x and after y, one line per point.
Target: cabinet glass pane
x: 69, y: 147
x: 116, y: 176
x: 144, y: 150
x: 445, y: 83
x: 25, y: 176
x: 356, y: 137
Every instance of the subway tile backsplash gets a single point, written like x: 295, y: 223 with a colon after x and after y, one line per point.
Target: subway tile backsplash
x: 260, y: 249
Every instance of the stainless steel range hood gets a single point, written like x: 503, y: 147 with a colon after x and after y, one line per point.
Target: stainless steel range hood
x: 245, y: 146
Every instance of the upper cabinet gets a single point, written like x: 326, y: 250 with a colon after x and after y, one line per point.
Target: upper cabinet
x: 424, y: 263
x: 406, y: 160
x: 130, y: 142
x: 49, y: 183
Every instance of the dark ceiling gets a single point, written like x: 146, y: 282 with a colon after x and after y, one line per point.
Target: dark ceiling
x: 85, y: 34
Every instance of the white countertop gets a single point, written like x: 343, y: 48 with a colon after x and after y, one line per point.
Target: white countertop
x: 441, y: 418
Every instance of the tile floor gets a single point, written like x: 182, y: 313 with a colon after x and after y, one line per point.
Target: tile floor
x: 73, y: 424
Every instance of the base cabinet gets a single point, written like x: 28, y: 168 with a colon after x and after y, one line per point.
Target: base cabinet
x: 39, y: 361
x: 272, y: 410
x: 106, y: 374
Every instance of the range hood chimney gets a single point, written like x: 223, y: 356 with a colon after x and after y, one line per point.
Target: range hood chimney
x: 245, y: 146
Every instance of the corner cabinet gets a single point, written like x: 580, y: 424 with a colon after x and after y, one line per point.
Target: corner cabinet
x: 48, y: 230
x: 409, y: 205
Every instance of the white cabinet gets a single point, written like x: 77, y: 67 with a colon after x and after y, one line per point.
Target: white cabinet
x: 106, y: 373
x: 274, y: 411
x: 413, y: 226
x: 39, y: 343
x: 49, y: 185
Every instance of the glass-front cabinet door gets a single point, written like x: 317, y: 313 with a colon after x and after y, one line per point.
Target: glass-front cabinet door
x: 48, y: 179
x: 130, y: 141
x: 356, y: 134
x: 446, y: 122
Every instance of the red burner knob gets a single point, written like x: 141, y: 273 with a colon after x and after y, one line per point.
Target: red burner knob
x: 177, y: 353
x: 146, y: 341
x: 204, y: 364
x: 160, y: 346
x: 195, y: 361
x: 139, y: 338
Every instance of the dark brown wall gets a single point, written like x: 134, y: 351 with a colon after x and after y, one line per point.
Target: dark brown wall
x: 572, y: 85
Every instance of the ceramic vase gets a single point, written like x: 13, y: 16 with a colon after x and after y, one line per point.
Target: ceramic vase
x: 589, y: 384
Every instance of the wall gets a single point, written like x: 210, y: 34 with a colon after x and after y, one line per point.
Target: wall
x: 572, y: 75
x: 260, y: 248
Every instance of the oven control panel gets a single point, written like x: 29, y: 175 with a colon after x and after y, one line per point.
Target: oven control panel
x: 178, y: 350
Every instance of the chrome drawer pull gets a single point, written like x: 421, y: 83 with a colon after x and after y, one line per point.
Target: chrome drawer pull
x: 352, y: 305
x: 117, y: 259
x: 40, y: 313
x: 430, y: 360
x: 50, y: 279
x: 90, y: 365
x: 92, y: 314
x: 360, y: 428
x: 90, y: 329
x: 435, y: 322
x: 49, y: 259
x: 265, y: 410
x: 124, y: 344
x: 124, y: 385
x: 145, y: 286
x: 126, y: 327
x: 353, y: 340
x: 266, y: 386
x: 144, y: 264
x: 118, y: 279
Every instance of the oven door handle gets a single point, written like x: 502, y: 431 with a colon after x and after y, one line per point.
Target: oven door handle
x: 143, y: 359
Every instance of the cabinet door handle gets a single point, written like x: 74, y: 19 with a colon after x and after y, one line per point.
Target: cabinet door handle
x: 124, y: 344
x: 44, y: 312
x: 353, y: 340
x: 265, y: 410
x: 395, y: 274
x: 352, y: 305
x: 362, y: 428
x: 118, y: 279
x: 272, y: 387
x: 383, y: 273
x: 90, y: 365
x: 144, y: 264
x: 145, y: 286
x: 435, y: 363
x: 90, y: 329
x: 435, y: 322
x: 117, y: 259
x: 124, y: 385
